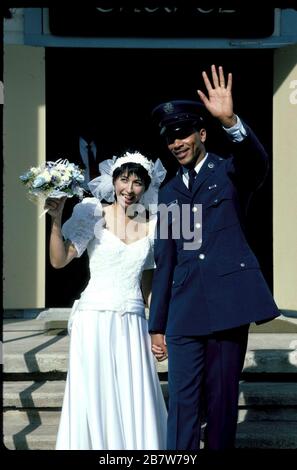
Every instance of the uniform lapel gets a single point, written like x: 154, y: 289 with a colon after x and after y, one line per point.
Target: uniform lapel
x: 209, y: 166
x: 179, y: 185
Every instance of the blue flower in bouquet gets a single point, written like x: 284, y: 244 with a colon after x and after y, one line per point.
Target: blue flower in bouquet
x: 39, y: 182
x: 26, y: 176
x: 29, y: 175
x: 77, y: 176
x: 54, y: 179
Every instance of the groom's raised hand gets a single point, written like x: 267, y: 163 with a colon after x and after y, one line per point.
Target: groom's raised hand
x: 219, y: 102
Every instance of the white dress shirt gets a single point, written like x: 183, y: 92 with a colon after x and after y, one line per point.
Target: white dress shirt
x: 236, y: 133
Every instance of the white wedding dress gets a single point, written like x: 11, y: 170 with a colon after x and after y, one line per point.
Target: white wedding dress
x: 113, y: 399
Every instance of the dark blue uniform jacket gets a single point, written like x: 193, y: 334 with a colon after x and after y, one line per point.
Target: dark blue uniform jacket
x: 219, y: 284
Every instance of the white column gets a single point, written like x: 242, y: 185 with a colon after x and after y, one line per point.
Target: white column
x: 285, y: 177
x: 24, y: 146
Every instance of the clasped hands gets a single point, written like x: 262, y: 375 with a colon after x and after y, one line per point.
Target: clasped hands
x: 159, y: 347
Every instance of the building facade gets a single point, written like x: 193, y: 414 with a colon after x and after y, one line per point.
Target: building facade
x: 52, y: 75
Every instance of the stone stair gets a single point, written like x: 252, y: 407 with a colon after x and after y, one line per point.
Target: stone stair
x: 35, y: 366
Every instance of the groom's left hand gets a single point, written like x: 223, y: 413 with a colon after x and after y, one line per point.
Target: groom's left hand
x: 159, y: 348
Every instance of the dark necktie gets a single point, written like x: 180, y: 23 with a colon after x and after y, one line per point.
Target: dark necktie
x: 192, y: 175
x: 93, y: 170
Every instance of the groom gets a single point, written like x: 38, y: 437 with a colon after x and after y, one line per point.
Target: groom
x: 204, y: 299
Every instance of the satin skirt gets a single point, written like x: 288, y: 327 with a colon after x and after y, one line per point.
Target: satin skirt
x: 113, y: 398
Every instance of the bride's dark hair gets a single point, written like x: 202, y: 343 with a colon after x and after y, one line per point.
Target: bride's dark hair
x: 132, y: 168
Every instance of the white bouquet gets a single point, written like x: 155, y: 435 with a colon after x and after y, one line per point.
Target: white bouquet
x: 54, y: 179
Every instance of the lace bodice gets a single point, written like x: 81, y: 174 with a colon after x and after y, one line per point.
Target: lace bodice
x: 115, y: 267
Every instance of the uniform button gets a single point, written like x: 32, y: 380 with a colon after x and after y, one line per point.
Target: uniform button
x: 242, y: 265
x: 202, y: 256
x: 210, y: 165
x: 173, y: 282
x: 198, y: 225
x: 194, y: 209
x: 216, y: 201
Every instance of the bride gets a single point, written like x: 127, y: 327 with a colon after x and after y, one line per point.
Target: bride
x: 113, y: 399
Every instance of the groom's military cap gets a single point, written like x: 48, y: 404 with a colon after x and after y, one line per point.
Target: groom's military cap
x: 173, y: 115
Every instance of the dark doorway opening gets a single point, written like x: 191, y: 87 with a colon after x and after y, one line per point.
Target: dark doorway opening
x: 117, y: 89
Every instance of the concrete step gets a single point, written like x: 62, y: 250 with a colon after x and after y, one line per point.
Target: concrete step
x: 52, y: 319
x: 41, y: 324
x: 265, y: 414
x: 285, y: 323
x: 263, y: 397
x: 272, y: 394
x: 21, y: 324
x: 31, y: 351
x: 266, y: 435
x: 31, y: 394
x: 32, y: 430
x: 24, y: 430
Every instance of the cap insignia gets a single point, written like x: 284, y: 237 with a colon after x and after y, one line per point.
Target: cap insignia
x: 168, y: 108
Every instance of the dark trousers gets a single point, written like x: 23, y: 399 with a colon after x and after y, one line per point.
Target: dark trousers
x: 204, y: 372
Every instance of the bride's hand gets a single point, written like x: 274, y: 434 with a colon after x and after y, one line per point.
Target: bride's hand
x: 158, y: 346
x: 54, y: 206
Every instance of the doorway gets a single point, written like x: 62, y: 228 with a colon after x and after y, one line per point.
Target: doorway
x: 118, y: 88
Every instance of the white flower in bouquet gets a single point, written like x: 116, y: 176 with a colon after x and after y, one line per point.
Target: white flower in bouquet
x: 54, y: 179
